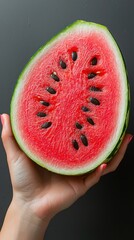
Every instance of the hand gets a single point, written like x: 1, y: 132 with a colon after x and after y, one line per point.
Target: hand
x: 45, y: 192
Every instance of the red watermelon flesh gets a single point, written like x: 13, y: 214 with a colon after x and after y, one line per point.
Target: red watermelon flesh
x: 71, y: 101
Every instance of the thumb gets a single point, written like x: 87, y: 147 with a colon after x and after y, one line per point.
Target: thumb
x: 11, y: 147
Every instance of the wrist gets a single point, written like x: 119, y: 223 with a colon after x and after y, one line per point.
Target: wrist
x: 21, y: 223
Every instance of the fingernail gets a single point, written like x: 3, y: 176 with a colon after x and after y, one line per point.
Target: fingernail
x: 130, y: 138
x: 103, y: 166
x: 2, y: 119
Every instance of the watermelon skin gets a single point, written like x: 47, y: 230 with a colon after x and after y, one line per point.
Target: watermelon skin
x: 121, y: 137
x: 15, y: 131
x: 116, y: 148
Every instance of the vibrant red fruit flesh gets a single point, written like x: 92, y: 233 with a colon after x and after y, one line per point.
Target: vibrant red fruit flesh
x: 88, y: 64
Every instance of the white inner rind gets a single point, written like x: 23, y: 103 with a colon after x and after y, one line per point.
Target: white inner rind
x: 78, y: 27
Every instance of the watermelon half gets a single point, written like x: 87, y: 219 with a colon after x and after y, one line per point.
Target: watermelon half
x: 70, y: 106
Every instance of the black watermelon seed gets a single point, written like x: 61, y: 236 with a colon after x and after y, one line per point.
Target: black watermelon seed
x: 74, y: 56
x: 63, y: 64
x: 41, y: 114
x: 84, y: 139
x: 91, y: 75
x: 90, y: 120
x: 95, y: 89
x: 55, y: 77
x: 75, y: 144
x: 95, y: 101
x: 46, y: 125
x: 85, y: 109
x: 94, y: 61
x: 78, y: 125
x: 51, y: 90
x: 45, y: 103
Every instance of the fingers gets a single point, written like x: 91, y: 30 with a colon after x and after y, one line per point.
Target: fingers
x: 94, y: 177
x: 10, y: 145
x: 114, y: 163
x: 103, y: 169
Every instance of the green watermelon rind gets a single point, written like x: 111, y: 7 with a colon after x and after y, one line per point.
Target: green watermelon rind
x: 127, y: 115
x: 121, y: 137
x: 113, y: 151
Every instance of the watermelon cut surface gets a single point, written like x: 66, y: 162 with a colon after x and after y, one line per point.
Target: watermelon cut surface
x: 70, y: 107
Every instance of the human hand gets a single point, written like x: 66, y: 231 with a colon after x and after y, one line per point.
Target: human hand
x: 39, y: 194
x: 43, y: 192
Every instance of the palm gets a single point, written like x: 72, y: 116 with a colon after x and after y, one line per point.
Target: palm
x: 42, y: 186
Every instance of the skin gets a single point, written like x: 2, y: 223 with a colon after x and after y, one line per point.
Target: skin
x: 36, y: 199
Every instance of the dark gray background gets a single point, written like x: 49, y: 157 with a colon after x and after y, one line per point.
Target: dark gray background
x: 107, y: 210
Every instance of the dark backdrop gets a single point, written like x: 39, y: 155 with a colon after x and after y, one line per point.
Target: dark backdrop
x: 107, y: 210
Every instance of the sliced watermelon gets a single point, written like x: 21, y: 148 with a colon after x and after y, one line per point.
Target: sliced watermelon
x: 70, y: 107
